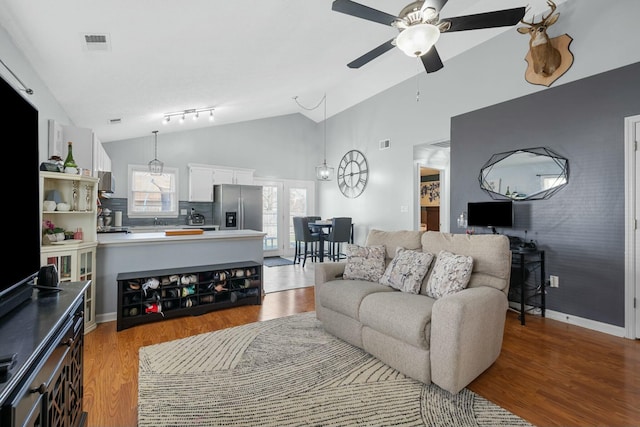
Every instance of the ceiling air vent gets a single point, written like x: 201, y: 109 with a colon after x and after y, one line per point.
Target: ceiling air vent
x: 115, y: 121
x: 96, y: 42
x: 384, y: 144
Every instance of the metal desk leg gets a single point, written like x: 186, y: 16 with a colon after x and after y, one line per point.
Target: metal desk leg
x: 523, y: 279
x: 543, y: 279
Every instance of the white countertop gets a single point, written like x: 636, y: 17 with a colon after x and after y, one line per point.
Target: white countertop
x: 160, y: 237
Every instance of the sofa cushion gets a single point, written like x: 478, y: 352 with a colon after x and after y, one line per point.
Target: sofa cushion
x: 391, y: 240
x: 490, y: 252
x: 451, y: 274
x: 345, y: 296
x: 407, y: 269
x: 406, y: 317
x: 364, y: 262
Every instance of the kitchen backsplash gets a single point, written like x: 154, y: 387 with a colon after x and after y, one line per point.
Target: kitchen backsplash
x: 120, y: 204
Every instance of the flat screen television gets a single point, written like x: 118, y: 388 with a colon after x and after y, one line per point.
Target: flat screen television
x: 20, y: 193
x: 490, y: 214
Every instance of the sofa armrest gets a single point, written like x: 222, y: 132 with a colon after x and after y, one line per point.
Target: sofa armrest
x: 466, y: 335
x: 326, y: 271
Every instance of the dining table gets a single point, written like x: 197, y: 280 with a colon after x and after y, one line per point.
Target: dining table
x: 326, y: 225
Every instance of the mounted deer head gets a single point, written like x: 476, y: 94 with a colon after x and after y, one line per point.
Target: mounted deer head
x: 546, y: 58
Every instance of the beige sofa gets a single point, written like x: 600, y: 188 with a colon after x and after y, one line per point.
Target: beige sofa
x: 448, y: 341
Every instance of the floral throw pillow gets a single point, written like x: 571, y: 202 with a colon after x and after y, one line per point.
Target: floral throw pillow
x: 407, y: 269
x: 451, y: 273
x: 364, y: 262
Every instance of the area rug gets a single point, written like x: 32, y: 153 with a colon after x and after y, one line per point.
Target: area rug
x: 289, y: 372
x: 276, y: 261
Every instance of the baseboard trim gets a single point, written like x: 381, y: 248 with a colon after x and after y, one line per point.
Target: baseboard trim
x: 572, y: 320
x: 107, y: 317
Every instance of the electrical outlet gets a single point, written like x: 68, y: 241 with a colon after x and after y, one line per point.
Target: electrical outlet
x: 404, y: 208
x: 183, y: 211
x: 554, y: 281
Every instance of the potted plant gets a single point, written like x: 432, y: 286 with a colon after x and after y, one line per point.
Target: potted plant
x: 51, y: 232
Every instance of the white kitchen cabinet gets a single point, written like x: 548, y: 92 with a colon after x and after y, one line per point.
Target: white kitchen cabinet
x: 223, y: 176
x: 202, y: 178
x: 88, y: 151
x: 76, y: 262
x: 200, y: 184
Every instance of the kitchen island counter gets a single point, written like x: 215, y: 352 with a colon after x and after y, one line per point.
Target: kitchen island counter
x: 130, y: 252
x: 160, y: 237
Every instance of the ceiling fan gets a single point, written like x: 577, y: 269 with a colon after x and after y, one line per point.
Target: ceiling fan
x: 420, y: 27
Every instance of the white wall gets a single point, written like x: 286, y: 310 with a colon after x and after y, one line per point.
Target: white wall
x: 46, y: 104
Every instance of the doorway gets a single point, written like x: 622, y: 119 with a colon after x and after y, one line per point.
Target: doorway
x: 434, y: 158
x: 429, y: 199
x: 281, y: 201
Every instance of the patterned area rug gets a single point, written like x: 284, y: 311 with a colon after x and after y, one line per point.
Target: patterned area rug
x: 289, y: 372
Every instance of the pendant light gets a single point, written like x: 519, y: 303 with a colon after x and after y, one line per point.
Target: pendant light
x: 324, y: 172
x: 156, y: 166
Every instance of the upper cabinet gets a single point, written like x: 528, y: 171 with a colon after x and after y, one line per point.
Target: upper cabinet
x: 88, y: 151
x: 202, y: 178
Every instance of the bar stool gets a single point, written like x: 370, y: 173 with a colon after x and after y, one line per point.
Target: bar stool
x: 340, y: 233
x: 305, y: 241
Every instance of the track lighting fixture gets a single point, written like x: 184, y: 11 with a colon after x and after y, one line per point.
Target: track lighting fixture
x: 194, y: 113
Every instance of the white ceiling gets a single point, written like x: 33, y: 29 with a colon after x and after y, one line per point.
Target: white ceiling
x: 246, y: 62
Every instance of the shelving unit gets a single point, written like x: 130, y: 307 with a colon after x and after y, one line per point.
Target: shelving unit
x: 75, y: 260
x: 528, y: 287
x: 151, y: 296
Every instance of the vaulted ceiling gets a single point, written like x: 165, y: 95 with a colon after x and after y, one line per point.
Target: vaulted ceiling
x: 248, y: 60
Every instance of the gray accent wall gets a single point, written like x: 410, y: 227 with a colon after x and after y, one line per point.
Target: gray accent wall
x: 581, y: 227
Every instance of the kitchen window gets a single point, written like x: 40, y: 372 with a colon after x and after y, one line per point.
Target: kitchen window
x: 150, y: 195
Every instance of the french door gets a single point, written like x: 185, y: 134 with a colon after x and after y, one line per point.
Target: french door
x: 281, y: 201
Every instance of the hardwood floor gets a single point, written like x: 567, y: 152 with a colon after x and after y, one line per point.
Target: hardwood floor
x: 549, y: 373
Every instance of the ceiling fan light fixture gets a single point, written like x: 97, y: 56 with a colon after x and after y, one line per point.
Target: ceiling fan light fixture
x: 417, y: 39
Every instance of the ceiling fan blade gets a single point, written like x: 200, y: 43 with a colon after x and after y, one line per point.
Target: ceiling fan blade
x: 499, y: 18
x: 372, y: 54
x: 431, y: 60
x: 361, y: 11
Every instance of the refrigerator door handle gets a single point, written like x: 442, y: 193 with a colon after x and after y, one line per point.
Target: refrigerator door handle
x: 240, y: 214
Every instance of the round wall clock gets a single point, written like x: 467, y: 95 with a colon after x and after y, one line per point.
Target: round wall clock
x: 353, y: 173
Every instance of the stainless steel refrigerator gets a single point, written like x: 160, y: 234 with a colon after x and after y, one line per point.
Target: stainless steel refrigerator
x: 237, y: 207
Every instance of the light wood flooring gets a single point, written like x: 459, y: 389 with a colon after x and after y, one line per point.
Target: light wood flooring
x: 549, y: 373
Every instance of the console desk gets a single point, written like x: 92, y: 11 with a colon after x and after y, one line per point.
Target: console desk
x: 527, y: 280
x: 45, y: 385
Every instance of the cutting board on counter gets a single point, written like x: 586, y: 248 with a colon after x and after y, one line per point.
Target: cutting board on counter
x: 183, y: 232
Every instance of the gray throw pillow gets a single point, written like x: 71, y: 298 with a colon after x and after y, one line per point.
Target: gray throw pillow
x: 451, y: 274
x: 406, y: 270
x: 364, y: 262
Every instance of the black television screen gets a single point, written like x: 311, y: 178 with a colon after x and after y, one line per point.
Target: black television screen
x: 490, y: 214
x: 21, y: 190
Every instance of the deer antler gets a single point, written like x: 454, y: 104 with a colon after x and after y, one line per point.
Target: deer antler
x: 544, y: 19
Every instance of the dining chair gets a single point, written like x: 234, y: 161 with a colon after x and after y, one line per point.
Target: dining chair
x: 340, y: 233
x: 305, y: 241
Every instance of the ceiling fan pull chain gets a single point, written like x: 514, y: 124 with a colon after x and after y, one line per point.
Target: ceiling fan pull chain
x: 418, y: 81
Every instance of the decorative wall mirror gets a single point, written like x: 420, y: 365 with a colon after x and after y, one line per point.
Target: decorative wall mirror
x: 526, y: 174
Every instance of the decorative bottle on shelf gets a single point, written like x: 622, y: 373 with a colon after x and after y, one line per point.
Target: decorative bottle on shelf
x: 508, y: 193
x: 70, y: 164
